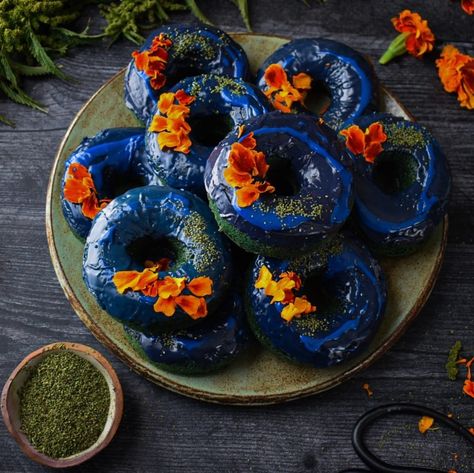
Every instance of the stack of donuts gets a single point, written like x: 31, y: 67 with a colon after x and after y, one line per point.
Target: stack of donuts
x: 250, y: 207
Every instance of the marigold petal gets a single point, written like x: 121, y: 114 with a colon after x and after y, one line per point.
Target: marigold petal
x: 141, y: 59
x: 236, y: 178
x: 302, y: 81
x: 165, y: 101
x: 247, y: 195
x: 425, y: 423
x: 264, y: 278
x: 90, y: 206
x: 242, y: 159
x: 165, y: 306
x: 261, y: 164
x: 249, y: 141
x: 372, y: 151
x: 158, y: 123
x: 355, y: 139
x: 375, y: 132
x: 76, y: 191
x: 125, y: 280
x: 158, y: 81
x: 275, y: 76
x: 468, y: 6
x: 195, y: 307
x: 183, y: 98
x: 171, y: 287
x: 201, y: 286
x: 168, y: 140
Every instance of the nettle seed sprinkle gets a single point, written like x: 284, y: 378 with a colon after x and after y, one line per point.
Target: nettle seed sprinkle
x: 195, y: 229
x: 64, y: 405
x: 406, y: 136
x: 191, y: 42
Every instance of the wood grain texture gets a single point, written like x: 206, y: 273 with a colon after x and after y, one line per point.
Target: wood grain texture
x: 162, y: 431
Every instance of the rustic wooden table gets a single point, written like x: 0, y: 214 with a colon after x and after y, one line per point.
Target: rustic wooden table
x: 165, y: 432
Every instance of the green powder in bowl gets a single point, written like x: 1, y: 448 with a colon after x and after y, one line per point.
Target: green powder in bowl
x: 64, y: 405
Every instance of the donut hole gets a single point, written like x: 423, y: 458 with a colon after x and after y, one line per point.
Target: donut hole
x: 321, y: 293
x: 282, y: 176
x: 210, y: 130
x: 149, y: 248
x: 185, y: 72
x: 318, y: 98
x: 394, y: 172
x: 115, y: 183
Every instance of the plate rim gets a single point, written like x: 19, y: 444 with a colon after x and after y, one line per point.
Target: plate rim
x: 226, y: 399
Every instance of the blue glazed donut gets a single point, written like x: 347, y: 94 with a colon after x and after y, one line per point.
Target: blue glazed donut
x: 114, y: 159
x: 205, y: 347
x: 403, y: 196
x: 147, y: 224
x: 346, y: 75
x: 220, y: 105
x: 193, y: 50
x: 313, y: 188
x: 346, y: 285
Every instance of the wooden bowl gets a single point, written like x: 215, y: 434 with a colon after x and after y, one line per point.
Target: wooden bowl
x: 11, y: 413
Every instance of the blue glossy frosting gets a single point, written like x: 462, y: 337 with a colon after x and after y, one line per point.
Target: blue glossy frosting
x: 233, y: 100
x: 196, y: 49
x: 210, y: 345
x: 350, y: 296
x: 322, y: 197
x: 398, y: 221
x: 346, y: 74
x: 168, y: 217
x: 113, y: 155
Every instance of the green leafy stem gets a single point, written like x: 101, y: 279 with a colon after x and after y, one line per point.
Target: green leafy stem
x: 32, y: 33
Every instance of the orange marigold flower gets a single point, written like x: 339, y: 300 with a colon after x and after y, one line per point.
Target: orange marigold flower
x: 420, y: 39
x: 283, y: 94
x: 79, y: 188
x: 283, y: 291
x: 169, y: 290
x: 415, y: 37
x: 368, y: 143
x: 153, y: 60
x: 456, y: 71
x: 170, y: 124
x: 468, y: 6
x: 246, y: 171
x: 425, y: 423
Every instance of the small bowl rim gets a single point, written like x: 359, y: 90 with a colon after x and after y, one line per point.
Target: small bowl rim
x: 21, y: 439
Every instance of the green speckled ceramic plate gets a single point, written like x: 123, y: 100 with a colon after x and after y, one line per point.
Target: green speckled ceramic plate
x: 258, y: 377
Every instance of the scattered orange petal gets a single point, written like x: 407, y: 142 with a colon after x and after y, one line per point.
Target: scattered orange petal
x: 368, y: 390
x: 192, y: 305
x: 468, y: 6
x: 425, y: 423
x: 165, y: 306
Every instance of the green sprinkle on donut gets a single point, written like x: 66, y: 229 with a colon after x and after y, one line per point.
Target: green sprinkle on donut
x: 405, y: 136
x: 311, y: 324
x: 287, y: 207
x: 232, y: 85
x: 195, y: 229
x: 188, y: 43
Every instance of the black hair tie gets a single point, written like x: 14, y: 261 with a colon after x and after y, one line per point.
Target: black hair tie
x: 374, y: 463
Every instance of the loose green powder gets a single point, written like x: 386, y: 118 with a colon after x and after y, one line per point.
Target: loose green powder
x: 64, y: 405
x: 405, y: 136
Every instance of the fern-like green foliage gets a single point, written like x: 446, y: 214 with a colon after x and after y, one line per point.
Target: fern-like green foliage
x: 34, y: 32
x: 31, y: 31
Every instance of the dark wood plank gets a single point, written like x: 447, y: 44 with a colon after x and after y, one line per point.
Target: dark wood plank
x: 163, y: 431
